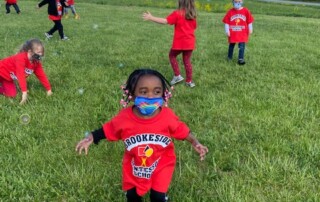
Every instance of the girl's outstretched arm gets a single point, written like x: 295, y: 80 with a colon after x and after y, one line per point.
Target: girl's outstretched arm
x: 202, y: 150
x: 148, y: 16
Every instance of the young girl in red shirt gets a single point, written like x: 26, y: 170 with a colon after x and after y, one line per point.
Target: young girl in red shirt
x: 20, y: 66
x: 55, y: 11
x: 147, y: 129
x: 238, y: 26
x: 185, y: 24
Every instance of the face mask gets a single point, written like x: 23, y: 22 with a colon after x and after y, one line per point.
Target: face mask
x: 36, y: 57
x: 237, y: 5
x: 147, y: 106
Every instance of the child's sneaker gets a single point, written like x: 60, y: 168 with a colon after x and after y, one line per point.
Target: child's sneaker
x: 65, y: 38
x: 49, y: 36
x: 190, y: 84
x: 76, y: 16
x: 241, y: 62
x: 176, y: 79
x: 66, y: 16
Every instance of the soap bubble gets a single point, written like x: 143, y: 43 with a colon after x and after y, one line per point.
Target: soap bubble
x: 25, y: 118
x: 95, y: 26
x: 121, y: 65
x: 80, y: 91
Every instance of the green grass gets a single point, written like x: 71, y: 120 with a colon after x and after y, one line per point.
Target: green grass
x: 260, y: 122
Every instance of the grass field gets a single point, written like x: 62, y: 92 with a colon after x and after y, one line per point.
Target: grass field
x: 261, y: 121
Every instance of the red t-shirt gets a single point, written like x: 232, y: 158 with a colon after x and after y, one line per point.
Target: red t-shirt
x: 149, y: 157
x: 238, y: 21
x: 183, y: 37
x: 18, y: 67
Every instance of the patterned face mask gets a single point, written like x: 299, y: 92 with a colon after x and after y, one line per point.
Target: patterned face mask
x: 237, y: 5
x: 36, y: 56
x: 147, y: 106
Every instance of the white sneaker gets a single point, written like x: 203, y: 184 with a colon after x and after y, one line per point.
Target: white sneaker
x: 176, y: 79
x: 49, y: 36
x: 65, y: 38
x: 190, y: 84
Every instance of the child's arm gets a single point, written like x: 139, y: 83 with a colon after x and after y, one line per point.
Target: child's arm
x: 227, y: 29
x: 202, y: 150
x: 148, y: 16
x: 93, y: 137
x: 250, y: 28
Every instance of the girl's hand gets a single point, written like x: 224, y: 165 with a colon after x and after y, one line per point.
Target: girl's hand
x: 49, y: 93
x: 147, y: 15
x: 84, y: 144
x: 24, y: 98
x: 202, y: 150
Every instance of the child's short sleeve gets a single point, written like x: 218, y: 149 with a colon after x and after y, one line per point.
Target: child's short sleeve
x: 178, y: 129
x: 250, y: 18
x: 172, y: 18
x: 226, y: 18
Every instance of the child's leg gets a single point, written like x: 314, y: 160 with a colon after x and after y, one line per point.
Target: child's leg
x: 16, y: 7
x: 156, y: 196
x: 132, y: 196
x: 8, y: 88
x: 230, y: 51
x: 173, y: 61
x: 242, y: 47
x: 186, y: 57
x: 65, y: 10
x: 54, y: 28
x: 58, y: 26
x: 8, y: 8
x: 73, y: 10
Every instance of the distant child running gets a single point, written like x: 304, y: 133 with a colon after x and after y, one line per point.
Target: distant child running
x: 185, y: 24
x: 13, y: 3
x: 20, y: 66
x: 238, y: 26
x: 73, y: 9
x: 147, y: 129
x: 55, y: 11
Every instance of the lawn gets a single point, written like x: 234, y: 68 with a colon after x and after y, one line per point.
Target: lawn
x: 260, y: 121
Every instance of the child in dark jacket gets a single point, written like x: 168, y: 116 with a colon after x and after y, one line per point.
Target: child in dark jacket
x: 55, y: 11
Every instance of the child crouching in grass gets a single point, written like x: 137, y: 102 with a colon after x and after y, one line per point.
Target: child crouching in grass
x: 21, y: 65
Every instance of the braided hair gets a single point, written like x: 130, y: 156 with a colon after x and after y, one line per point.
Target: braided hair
x: 129, y: 87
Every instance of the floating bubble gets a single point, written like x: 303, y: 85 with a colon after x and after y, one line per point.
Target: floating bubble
x: 80, y: 91
x: 25, y: 119
x: 86, y: 134
x: 95, y: 26
x: 121, y: 65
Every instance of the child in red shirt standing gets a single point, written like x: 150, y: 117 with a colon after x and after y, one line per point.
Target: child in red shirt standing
x: 147, y: 129
x: 55, y: 11
x: 13, y: 3
x: 185, y: 24
x: 20, y: 66
x: 238, y: 26
x: 73, y: 9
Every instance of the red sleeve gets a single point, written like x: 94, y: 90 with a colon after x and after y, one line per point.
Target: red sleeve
x: 20, y: 72
x: 112, y: 129
x: 172, y: 18
x: 178, y: 129
x: 41, y: 75
x: 226, y: 18
x: 250, y: 18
